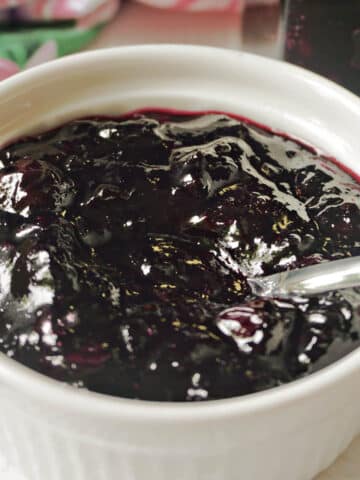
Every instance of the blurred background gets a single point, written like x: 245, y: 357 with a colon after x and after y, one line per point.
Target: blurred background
x: 322, y: 35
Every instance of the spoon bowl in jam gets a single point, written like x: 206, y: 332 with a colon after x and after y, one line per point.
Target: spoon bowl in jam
x: 307, y: 281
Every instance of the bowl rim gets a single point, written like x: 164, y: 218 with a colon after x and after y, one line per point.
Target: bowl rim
x: 23, y: 378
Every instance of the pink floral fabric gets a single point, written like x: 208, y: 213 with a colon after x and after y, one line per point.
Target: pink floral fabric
x: 99, y: 10
x: 21, y: 48
x: 7, y: 68
x: 70, y: 9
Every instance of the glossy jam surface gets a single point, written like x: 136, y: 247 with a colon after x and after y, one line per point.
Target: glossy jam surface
x: 125, y: 248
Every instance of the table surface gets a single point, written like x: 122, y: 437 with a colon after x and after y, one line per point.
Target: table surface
x: 258, y: 30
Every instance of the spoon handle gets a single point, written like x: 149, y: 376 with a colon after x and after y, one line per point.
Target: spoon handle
x: 332, y: 275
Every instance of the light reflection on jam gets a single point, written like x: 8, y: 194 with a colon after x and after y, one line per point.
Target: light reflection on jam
x: 125, y: 248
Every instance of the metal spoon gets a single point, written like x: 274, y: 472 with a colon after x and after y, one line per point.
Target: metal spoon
x: 332, y: 275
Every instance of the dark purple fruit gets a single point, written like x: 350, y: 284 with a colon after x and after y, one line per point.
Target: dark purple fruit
x: 126, y: 245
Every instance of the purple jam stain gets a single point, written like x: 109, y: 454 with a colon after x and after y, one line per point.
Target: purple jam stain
x: 126, y: 244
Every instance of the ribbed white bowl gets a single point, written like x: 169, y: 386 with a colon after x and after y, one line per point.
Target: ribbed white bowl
x: 54, y: 432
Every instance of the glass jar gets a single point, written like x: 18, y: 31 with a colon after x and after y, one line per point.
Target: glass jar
x: 324, y: 36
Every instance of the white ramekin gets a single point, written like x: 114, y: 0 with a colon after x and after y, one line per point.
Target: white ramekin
x: 54, y: 432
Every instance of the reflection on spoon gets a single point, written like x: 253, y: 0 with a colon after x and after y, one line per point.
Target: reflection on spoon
x: 333, y: 275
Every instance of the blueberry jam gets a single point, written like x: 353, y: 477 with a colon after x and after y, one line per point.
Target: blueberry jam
x: 126, y: 245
